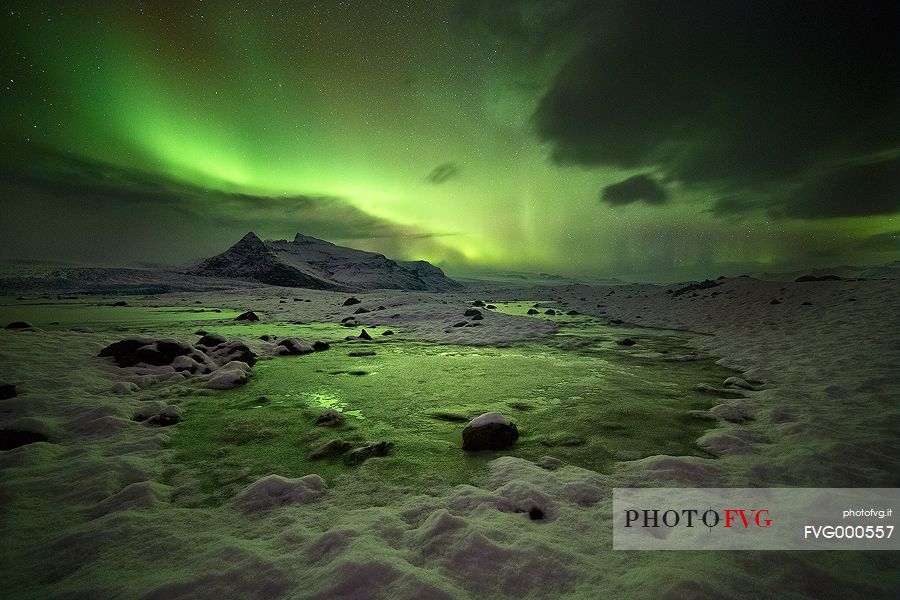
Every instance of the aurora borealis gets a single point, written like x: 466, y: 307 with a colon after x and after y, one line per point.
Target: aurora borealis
x: 583, y: 138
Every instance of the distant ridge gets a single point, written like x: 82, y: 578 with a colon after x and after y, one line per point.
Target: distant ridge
x: 309, y: 262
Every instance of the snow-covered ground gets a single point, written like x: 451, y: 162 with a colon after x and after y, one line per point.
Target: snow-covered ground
x: 87, y: 515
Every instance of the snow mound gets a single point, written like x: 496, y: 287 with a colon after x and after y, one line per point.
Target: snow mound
x: 273, y: 491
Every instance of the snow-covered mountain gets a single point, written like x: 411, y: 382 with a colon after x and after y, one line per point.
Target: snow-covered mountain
x: 313, y: 263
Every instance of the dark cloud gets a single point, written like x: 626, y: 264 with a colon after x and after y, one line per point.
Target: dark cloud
x: 743, y: 97
x: 96, y: 212
x: 443, y: 173
x: 854, y: 191
x: 639, y: 188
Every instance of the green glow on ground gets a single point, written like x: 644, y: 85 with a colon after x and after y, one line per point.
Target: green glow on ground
x: 578, y: 397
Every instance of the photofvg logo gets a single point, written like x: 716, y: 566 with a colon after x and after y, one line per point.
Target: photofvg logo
x: 690, y: 517
x: 755, y: 518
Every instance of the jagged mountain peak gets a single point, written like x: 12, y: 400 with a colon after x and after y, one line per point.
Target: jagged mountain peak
x: 310, y: 262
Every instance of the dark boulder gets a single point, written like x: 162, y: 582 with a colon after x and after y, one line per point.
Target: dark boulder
x: 532, y: 311
x: 626, y: 342
x: 166, y: 417
x: 549, y: 311
x: 120, y: 303
x: 471, y: 312
x: 387, y: 332
x: 233, y: 350
x: 775, y: 301
x: 363, y: 454
x: 319, y: 346
x: 124, y: 352
x: 330, y: 418
x: 364, y: 335
x: 360, y: 311
x: 351, y: 301
x: 20, y: 325
x: 294, y: 347
x: 163, y: 352
x: 247, y: 316
x: 332, y: 448
x: 490, y: 431
x: 479, y: 303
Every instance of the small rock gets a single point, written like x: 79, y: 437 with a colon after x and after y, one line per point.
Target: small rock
x: 478, y: 317
x: 351, y: 322
x: 167, y: 416
x: 775, y: 301
x: 387, y: 332
x: 460, y: 324
x: 120, y: 303
x: 472, y: 312
x: 364, y: 335
x: 532, y: 311
x: 124, y: 388
x: 361, y: 455
x: 550, y: 463
x: 351, y: 301
x: 737, y: 382
x: 20, y: 325
x: 626, y: 342
x: 247, y: 316
x: 573, y: 312
x: 332, y: 448
x: 319, y: 346
x: 330, y: 418
x: 360, y: 311
x: 490, y: 307
x: 361, y: 353
x: 490, y: 431
x: 479, y: 303
x: 549, y: 311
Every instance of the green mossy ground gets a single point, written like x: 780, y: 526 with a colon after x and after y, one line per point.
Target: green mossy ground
x: 577, y: 396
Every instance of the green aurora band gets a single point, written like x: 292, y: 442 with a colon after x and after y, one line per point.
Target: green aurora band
x: 360, y: 102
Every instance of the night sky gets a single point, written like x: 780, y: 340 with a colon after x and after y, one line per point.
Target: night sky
x: 583, y: 137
